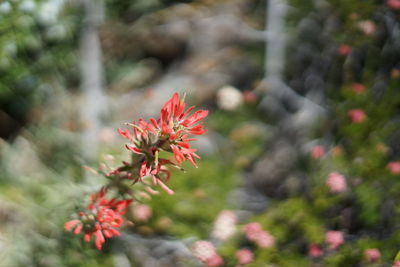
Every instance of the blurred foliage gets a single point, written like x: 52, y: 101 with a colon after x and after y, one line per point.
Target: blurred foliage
x: 36, y: 55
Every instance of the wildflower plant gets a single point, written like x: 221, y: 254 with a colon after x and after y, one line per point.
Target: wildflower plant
x: 147, y: 170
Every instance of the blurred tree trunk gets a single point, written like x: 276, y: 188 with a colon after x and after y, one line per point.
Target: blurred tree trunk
x: 93, y: 103
x: 275, y: 39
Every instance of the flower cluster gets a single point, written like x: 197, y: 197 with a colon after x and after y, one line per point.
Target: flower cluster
x: 394, y: 167
x: 255, y: 233
x: 169, y: 133
x: 205, y: 252
x: 336, y: 182
x: 358, y: 88
x: 344, y: 50
x: 224, y: 225
x: 314, y: 250
x: 334, y: 239
x: 147, y: 139
x: 244, y: 256
x: 372, y: 254
x: 317, y: 152
x: 395, y: 4
x: 101, y: 218
x: 356, y: 115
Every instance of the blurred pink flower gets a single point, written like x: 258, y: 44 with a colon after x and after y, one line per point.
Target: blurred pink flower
x: 255, y: 233
x: 244, y: 256
x: 356, y: 115
x: 249, y: 96
x: 396, y: 264
x: 344, y: 50
x: 142, y: 212
x: 205, y: 251
x: 215, y: 260
x: 334, y: 239
x: 225, y: 225
x: 395, y: 4
x: 372, y: 254
x: 251, y: 230
x: 314, y: 250
x: 367, y: 26
x: 358, y: 88
x: 265, y: 239
x: 317, y: 152
x: 336, y: 182
x: 394, y: 167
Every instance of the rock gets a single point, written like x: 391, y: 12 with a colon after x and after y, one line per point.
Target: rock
x: 270, y: 171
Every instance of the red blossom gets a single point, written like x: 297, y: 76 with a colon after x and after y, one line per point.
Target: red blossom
x: 358, y: 88
x: 336, y: 182
x: 314, y: 250
x: 205, y: 251
x: 394, y: 167
x: 317, y: 152
x: 255, y: 233
x: 249, y: 96
x: 169, y: 133
x: 372, y: 254
x: 395, y: 4
x: 101, y: 218
x: 334, y: 239
x: 147, y: 139
x: 244, y: 256
x: 215, y: 261
x: 357, y: 115
x: 344, y: 50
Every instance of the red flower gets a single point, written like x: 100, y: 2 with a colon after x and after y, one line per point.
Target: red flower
x: 147, y: 139
x: 244, y: 256
x: 205, y: 251
x: 356, y: 115
x: 317, y: 152
x: 215, y: 261
x: 254, y: 232
x: 314, y: 250
x: 176, y: 124
x: 394, y: 167
x: 249, y: 96
x: 395, y: 4
x: 344, y: 50
x: 336, y: 182
x: 334, y: 239
x: 358, y: 88
x: 372, y: 254
x: 101, y: 218
x: 169, y: 133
